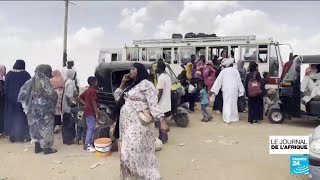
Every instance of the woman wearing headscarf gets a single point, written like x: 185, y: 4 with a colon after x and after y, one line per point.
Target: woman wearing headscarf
x: 57, y: 82
x: 2, y: 99
x: 15, y: 121
x: 218, y: 100
x: 242, y: 70
x: 68, y: 126
x: 209, y: 75
x: 255, y: 104
x: 137, y: 144
x: 243, y: 74
x: 39, y: 100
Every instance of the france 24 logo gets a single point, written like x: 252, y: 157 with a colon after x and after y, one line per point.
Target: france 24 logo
x: 299, y: 164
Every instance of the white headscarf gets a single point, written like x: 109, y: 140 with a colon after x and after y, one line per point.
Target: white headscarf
x: 227, y: 62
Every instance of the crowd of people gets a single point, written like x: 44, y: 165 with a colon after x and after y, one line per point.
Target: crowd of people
x: 228, y: 84
x: 32, y: 107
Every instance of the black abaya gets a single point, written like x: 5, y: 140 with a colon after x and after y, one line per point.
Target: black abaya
x: 218, y: 102
x: 255, y: 108
x: 68, y: 129
x: 255, y: 104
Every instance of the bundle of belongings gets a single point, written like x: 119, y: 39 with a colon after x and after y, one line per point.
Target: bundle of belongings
x: 310, y: 85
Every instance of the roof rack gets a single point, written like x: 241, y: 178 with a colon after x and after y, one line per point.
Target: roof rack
x: 189, y: 40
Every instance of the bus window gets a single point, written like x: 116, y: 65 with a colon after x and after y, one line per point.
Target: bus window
x: 114, y: 57
x: 200, y: 51
x: 176, y: 56
x: 249, y: 53
x: 119, y: 57
x: 167, y: 55
x: 144, y: 54
x: 132, y: 54
x: 153, y: 54
x: 217, y: 51
x: 263, y: 54
x: 235, y: 52
x: 185, y: 53
x: 273, y: 62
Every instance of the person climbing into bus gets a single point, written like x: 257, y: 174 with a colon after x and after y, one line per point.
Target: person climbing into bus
x: 287, y: 66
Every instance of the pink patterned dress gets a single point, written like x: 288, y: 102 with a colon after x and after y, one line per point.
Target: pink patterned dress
x: 137, y: 152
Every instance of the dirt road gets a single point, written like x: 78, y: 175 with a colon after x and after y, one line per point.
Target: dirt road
x: 203, y: 151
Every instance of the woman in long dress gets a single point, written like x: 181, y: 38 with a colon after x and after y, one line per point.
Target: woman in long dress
x: 15, y: 121
x: 68, y: 126
x: 2, y: 99
x: 39, y: 100
x: 255, y: 104
x: 137, y: 141
x: 57, y: 82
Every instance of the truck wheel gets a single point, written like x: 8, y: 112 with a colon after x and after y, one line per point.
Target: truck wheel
x: 275, y: 116
x: 182, y: 120
x: 104, y: 119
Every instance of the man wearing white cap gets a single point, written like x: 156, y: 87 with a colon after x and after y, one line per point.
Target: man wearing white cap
x: 230, y: 82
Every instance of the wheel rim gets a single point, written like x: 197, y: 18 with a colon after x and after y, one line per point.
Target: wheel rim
x: 276, y: 116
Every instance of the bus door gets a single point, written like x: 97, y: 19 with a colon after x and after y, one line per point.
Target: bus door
x: 249, y: 53
x: 274, y: 63
x: 132, y: 54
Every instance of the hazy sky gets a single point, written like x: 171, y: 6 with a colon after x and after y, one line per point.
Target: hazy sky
x: 33, y: 30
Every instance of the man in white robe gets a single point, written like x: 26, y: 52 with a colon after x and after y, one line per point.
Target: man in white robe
x: 230, y: 82
x: 310, y: 85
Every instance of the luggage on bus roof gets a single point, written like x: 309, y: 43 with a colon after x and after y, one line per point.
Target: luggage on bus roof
x: 177, y: 36
x: 201, y: 35
x: 211, y: 35
x: 190, y: 35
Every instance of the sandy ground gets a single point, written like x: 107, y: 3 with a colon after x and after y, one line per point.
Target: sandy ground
x: 203, y: 151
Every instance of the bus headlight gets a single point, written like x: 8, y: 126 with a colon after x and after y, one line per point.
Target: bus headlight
x: 315, y: 146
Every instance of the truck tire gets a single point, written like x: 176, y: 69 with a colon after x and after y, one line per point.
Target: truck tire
x: 275, y: 116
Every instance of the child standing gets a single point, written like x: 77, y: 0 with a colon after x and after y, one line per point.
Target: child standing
x: 90, y: 100
x: 79, y: 118
x: 204, y: 98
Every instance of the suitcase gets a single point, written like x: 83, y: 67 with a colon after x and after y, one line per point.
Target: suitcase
x: 190, y: 35
x: 176, y: 36
x: 201, y: 35
x: 211, y: 35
